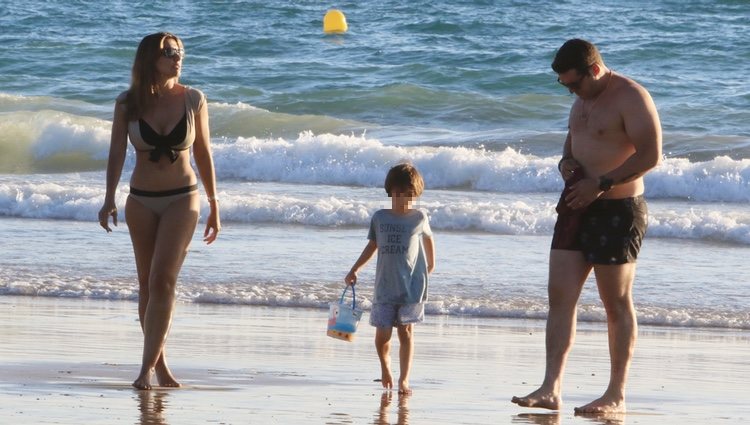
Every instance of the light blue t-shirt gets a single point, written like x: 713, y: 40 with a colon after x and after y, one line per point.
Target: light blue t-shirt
x: 401, y: 271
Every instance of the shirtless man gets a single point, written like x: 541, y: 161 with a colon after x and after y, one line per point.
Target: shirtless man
x: 614, y: 138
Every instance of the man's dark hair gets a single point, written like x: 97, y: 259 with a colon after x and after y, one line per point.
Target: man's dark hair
x: 576, y: 54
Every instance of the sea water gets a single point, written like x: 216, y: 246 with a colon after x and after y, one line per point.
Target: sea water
x: 304, y: 127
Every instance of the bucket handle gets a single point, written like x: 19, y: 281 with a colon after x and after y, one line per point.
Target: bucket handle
x: 354, y: 296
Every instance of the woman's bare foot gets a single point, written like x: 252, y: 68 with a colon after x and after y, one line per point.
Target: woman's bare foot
x: 165, y: 378
x: 540, y: 398
x: 603, y: 404
x: 143, y: 382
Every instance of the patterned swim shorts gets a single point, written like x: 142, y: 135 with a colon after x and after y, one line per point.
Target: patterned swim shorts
x: 612, y: 230
x: 389, y: 315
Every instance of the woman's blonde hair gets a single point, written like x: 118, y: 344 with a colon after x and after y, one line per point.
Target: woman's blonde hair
x: 143, y: 86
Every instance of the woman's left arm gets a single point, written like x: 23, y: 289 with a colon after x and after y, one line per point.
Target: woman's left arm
x: 205, y: 164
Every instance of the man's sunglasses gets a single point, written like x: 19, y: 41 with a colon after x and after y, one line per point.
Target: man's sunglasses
x: 575, y: 85
x: 170, y: 52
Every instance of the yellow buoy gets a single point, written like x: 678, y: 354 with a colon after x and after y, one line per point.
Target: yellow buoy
x: 334, y: 22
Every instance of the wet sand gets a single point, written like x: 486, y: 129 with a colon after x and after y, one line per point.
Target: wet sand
x: 71, y: 361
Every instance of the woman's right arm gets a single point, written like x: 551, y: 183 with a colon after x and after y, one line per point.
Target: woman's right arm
x: 118, y: 146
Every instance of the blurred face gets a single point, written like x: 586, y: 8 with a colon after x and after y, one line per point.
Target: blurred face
x: 402, y: 197
x: 576, y: 82
x: 169, y: 63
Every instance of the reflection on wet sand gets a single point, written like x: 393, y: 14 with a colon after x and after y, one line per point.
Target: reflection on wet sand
x: 152, y: 405
x: 604, y: 418
x: 402, y: 415
x: 554, y: 418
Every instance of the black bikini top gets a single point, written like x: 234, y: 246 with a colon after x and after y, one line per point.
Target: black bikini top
x: 179, y: 139
x: 164, y: 145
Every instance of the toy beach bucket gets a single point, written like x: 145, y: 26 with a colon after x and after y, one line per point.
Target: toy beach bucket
x: 344, y: 318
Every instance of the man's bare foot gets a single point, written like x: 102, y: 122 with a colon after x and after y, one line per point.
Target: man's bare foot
x: 540, y: 398
x: 603, y: 404
x: 403, y: 387
x: 165, y: 378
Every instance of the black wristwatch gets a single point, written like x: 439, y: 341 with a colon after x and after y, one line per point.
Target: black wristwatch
x: 605, y: 183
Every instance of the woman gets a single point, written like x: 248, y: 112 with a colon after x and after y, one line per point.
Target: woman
x: 163, y: 119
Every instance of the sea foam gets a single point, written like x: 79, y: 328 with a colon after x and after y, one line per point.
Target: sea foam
x: 318, y: 295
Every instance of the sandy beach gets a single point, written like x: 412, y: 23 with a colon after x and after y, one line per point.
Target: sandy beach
x: 304, y: 126
x: 71, y: 361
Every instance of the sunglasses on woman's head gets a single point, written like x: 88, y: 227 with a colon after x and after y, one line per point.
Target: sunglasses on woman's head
x: 170, y: 52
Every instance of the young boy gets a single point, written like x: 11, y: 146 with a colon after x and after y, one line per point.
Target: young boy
x: 406, y: 256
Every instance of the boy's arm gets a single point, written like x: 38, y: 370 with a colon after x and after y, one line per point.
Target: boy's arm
x: 429, y: 250
x: 367, y: 253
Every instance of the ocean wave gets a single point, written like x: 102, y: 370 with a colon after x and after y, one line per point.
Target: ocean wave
x: 319, y: 295
x: 52, y: 141
x: 10, y: 103
x: 361, y: 161
x: 40, y: 140
x: 424, y: 105
x: 721, y: 179
x: 79, y: 200
x: 240, y: 119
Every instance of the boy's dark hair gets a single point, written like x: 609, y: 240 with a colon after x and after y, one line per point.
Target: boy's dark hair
x: 576, y: 54
x: 404, y: 176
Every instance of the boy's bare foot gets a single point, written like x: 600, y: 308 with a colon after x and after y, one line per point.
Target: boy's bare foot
x: 403, y: 387
x: 603, y: 404
x: 386, y: 379
x: 404, y: 390
x: 540, y: 398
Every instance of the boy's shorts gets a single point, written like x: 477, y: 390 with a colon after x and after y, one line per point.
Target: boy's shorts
x: 390, y: 315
